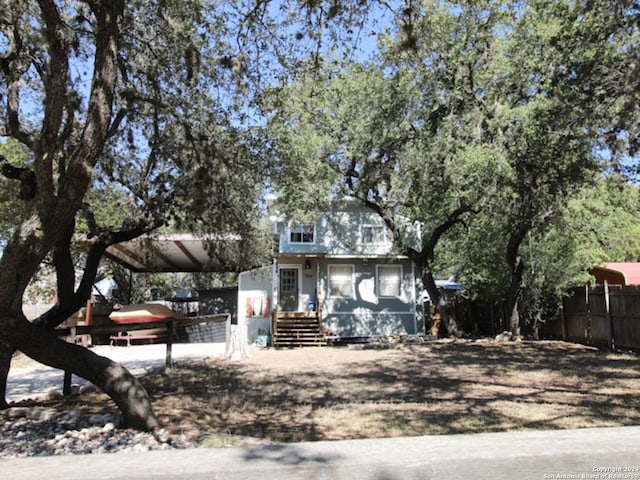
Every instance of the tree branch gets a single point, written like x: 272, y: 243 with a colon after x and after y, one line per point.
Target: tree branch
x: 117, y: 121
x: 26, y: 177
x: 13, y: 66
x: 70, y: 301
x: 108, y: 16
x: 55, y: 86
x: 72, y: 106
x: 452, y: 219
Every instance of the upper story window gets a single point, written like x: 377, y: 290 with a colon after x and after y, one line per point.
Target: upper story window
x: 374, y: 234
x: 303, y: 233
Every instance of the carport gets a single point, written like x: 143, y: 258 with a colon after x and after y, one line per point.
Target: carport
x: 170, y: 253
x: 165, y: 253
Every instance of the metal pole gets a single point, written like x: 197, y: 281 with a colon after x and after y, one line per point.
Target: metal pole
x: 167, y: 359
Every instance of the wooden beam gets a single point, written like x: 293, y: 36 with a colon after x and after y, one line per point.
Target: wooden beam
x: 162, y: 256
x: 129, y: 253
x: 128, y: 265
x: 189, y: 255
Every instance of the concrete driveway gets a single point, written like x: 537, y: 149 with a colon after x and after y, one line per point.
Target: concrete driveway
x: 33, y: 380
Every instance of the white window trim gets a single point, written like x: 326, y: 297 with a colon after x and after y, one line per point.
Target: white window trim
x: 385, y: 237
x: 401, y: 290
x: 293, y: 227
x: 353, y: 280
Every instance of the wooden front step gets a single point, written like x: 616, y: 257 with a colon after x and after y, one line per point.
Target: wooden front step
x: 297, y: 329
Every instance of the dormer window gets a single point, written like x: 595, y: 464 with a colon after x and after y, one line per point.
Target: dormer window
x: 303, y: 233
x: 374, y: 235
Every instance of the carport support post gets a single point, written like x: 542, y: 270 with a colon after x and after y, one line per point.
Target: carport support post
x: 66, y: 383
x: 167, y: 358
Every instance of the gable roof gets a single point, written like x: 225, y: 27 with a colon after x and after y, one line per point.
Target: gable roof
x: 625, y: 273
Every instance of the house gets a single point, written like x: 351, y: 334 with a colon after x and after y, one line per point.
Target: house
x: 334, y: 277
x: 617, y: 273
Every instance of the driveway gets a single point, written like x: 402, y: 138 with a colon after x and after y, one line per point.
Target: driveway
x: 33, y: 380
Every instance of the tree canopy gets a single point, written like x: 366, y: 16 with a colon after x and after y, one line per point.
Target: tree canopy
x: 474, y: 120
x: 144, y: 107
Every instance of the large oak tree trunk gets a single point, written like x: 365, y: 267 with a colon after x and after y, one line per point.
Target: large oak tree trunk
x: 421, y: 259
x: 6, y: 352
x: 513, y: 298
x: 442, y: 308
x: 125, y: 390
x: 516, y: 266
x: 20, y: 260
x: 57, y: 185
x: 41, y: 344
x: 37, y: 339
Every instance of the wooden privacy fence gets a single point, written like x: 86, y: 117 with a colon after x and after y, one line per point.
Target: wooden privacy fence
x: 607, y: 316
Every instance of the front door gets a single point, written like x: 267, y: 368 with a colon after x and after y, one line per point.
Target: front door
x: 289, y: 289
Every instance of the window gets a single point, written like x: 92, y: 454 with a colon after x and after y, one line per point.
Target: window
x: 341, y: 282
x: 301, y: 233
x: 374, y: 234
x: 389, y: 280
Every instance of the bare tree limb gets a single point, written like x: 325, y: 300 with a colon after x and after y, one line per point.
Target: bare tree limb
x: 452, y: 219
x: 70, y: 301
x: 26, y: 177
x: 55, y: 86
x: 13, y: 66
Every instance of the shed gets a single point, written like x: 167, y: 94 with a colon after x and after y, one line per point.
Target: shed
x: 617, y: 273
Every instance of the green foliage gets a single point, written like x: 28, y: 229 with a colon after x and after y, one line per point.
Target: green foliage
x: 12, y: 208
x: 452, y: 114
x: 605, y: 221
x: 448, y: 122
x: 595, y: 47
x: 597, y: 224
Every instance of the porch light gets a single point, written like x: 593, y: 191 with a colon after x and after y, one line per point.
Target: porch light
x: 307, y: 265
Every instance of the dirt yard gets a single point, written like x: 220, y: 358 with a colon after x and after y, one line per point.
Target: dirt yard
x: 354, y: 392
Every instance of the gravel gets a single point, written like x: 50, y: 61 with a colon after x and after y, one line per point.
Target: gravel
x: 28, y: 432
x: 27, y: 429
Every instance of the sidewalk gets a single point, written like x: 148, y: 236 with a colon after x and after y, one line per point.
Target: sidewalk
x: 603, y: 453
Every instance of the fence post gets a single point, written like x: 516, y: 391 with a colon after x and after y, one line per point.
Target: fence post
x: 587, y: 331
x: 66, y: 382
x: 607, y: 302
x: 563, y: 320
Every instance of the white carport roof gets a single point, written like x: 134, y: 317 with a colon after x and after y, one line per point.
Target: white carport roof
x: 169, y: 253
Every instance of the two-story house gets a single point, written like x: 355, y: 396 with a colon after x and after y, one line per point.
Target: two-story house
x: 336, y: 277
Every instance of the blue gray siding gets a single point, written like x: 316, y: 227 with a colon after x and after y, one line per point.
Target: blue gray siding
x: 366, y: 313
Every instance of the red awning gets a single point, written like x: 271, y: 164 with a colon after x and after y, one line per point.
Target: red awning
x: 625, y: 273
